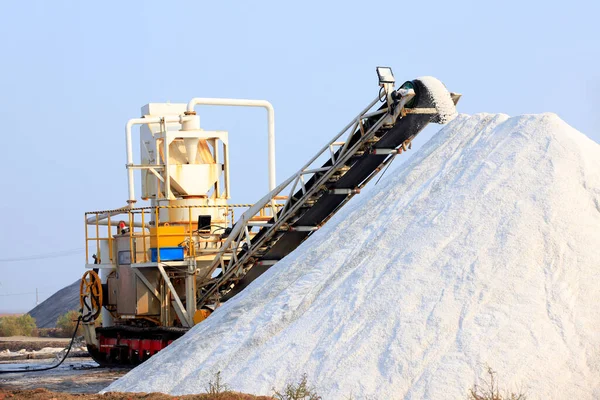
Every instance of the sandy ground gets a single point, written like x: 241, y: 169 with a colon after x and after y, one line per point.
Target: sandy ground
x: 16, y: 343
x: 32, y: 339
x: 42, y: 394
x: 79, y: 378
x: 16, y: 348
x: 80, y: 375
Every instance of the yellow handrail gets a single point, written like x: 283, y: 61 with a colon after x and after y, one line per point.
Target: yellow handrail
x: 192, y: 238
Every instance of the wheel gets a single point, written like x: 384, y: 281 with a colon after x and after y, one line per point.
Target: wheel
x: 90, y: 296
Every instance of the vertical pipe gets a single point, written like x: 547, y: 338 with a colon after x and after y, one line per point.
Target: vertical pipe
x: 129, y: 147
x: 167, y: 176
x: 131, y: 251
x: 163, y: 305
x: 156, y: 224
x: 192, y: 247
x: 226, y: 162
x: 97, y: 237
x: 271, y: 146
x: 144, y: 236
x: 190, y: 296
x: 87, y: 250
x: 110, y: 249
x: 218, y: 182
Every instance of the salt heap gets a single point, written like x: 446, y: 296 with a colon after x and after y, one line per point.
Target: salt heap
x: 483, y: 250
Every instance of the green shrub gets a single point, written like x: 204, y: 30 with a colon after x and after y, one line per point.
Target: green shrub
x: 50, y: 332
x: 299, y: 391
x: 23, y: 325
x: 66, y: 324
x: 216, y: 386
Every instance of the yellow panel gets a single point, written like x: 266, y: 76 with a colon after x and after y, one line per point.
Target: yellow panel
x: 168, y: 236
x: 200, y: 316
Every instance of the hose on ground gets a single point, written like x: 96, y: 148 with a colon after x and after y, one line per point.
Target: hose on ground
x: 12, y: 371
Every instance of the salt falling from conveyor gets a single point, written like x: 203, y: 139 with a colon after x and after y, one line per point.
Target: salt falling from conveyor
x: 482, y: 250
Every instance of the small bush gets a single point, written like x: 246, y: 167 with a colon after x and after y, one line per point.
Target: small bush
x: 299, y: 391
x: 23, y: 325
x: 50, y: 332
x: 216, y: 386
x: 491, y: 391
x: 66, y: 324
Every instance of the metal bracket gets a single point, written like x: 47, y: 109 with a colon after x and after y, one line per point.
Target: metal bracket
x: 432, y: 111
x: 344, y: 191
x: 178, y: 306
x: 146, y: 282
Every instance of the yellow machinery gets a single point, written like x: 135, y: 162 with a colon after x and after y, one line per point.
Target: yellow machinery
x: 157, y: 270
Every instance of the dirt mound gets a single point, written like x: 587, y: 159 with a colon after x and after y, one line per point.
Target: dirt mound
x: 61, y: 302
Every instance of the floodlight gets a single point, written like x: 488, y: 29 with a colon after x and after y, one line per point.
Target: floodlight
x: 385, y: 75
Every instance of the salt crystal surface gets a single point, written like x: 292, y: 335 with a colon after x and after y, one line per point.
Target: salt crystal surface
x: 441, y: 98
x: 482, y: 250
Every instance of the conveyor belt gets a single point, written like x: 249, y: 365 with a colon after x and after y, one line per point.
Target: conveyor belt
x: 320, y: 199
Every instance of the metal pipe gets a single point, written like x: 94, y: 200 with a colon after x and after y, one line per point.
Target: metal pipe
x: 226, y: 162
x: 247, y: 103
x: 167, y: 156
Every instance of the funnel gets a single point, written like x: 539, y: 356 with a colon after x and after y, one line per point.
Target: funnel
x: 191, y: 149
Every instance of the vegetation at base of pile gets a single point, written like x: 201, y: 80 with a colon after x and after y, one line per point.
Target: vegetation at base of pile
x: 219, y: 390
x: 298, y: 391
x: 65, y: 324
x: 23, y: 325
x: 43, y: 394
x: 50, y: 333
x: 491, y: 391
x: 216, y: 386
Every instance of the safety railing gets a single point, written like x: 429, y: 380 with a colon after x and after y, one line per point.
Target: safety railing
x: 140, y: 235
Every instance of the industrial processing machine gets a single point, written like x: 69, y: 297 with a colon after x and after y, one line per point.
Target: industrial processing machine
x: 155, y: 271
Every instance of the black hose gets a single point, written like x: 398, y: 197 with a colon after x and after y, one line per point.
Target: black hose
x: 54, y: 366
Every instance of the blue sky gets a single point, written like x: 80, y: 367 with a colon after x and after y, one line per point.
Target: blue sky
x: 72, y: 74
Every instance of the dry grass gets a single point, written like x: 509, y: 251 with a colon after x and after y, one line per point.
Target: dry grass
x: 218, y: 390
x: 298, y: 391
x: 490, y: 390
x: 43, y: 394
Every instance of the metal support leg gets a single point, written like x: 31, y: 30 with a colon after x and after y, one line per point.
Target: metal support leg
x: 190, y: 291
x: 178, y: 306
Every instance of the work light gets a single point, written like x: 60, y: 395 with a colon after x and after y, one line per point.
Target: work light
x: 385, y: 75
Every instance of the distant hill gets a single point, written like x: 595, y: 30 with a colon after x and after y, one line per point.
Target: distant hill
x: 47, y: 312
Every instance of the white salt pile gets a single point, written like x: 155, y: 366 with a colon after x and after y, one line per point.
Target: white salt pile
x: 440, y: 98
x: 484, y: 250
